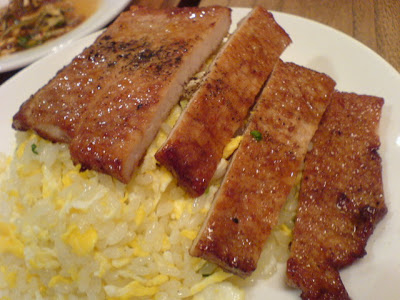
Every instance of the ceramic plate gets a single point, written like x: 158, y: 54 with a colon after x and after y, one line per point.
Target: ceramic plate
x: 106, y: 11
x: 355, y: 69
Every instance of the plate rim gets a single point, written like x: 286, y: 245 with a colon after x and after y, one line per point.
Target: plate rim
x: 348, y: 38
x: 104, y: 14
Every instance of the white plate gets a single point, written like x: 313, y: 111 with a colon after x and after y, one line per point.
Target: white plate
x: 355, y: 69
x: 107, y: 10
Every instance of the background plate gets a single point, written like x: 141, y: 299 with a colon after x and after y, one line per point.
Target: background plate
x: 355, y: 69
x: 106, y: 12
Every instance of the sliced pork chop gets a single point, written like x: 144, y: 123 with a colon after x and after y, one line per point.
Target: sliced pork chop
x: 55, y: 110
x: 264, y: 168
x: 219, y: 107
x: 110, y: 101
x: 341, y: 196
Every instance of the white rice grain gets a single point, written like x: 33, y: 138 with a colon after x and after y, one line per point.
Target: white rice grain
x: 84, y: 235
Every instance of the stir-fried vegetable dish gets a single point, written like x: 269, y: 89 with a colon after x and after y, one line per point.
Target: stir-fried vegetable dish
x: 28, y: 23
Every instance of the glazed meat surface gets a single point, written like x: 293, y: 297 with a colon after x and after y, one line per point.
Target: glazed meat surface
x: 264, y: 168
x: 110, y: 101
x: 221, y: 104
x: 341, y: 196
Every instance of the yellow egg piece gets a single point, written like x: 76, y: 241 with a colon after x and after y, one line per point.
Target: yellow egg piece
x: 82, y: 243
x: 137, y: 249
x: 232, y: 146
x: 166, y: 244
x: 180, y: 206
x: 58, y: 279
x: 9, y: 243
x: 286, y: 230
x: 140, y: 215
x: 221, y: 291
x: 132, y: 289
x: 216, y: 277
x: 190, y: 234
x: 157, y: 280
x: 174, y: 115
x: 10, y: 277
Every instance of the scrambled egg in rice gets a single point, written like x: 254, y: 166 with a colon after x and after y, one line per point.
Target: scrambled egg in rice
x: 66, y: 234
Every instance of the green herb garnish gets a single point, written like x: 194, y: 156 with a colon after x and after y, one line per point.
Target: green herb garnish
x: 60, y: 23
x: 23, y: 41
x: 207, y: 190
x: 256, y: 135
x: 34, y: 147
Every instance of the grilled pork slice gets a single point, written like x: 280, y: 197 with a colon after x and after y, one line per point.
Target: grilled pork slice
x: 264, y: 168
x: 219, y: 107
x: 110, y: 101
x: 341, y: 196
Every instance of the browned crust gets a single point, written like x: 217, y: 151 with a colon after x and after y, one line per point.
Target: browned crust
x: 262, y: 173
x: 341, y: 197
x: 62, y: 102
x: 109, y: 101
x: 116, y: 130
x: 220, y: 106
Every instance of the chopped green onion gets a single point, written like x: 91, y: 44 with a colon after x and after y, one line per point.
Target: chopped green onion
x: 60, y: 23
x: 256, y: 135
x: 34, y: 147
x: 23, y: 41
